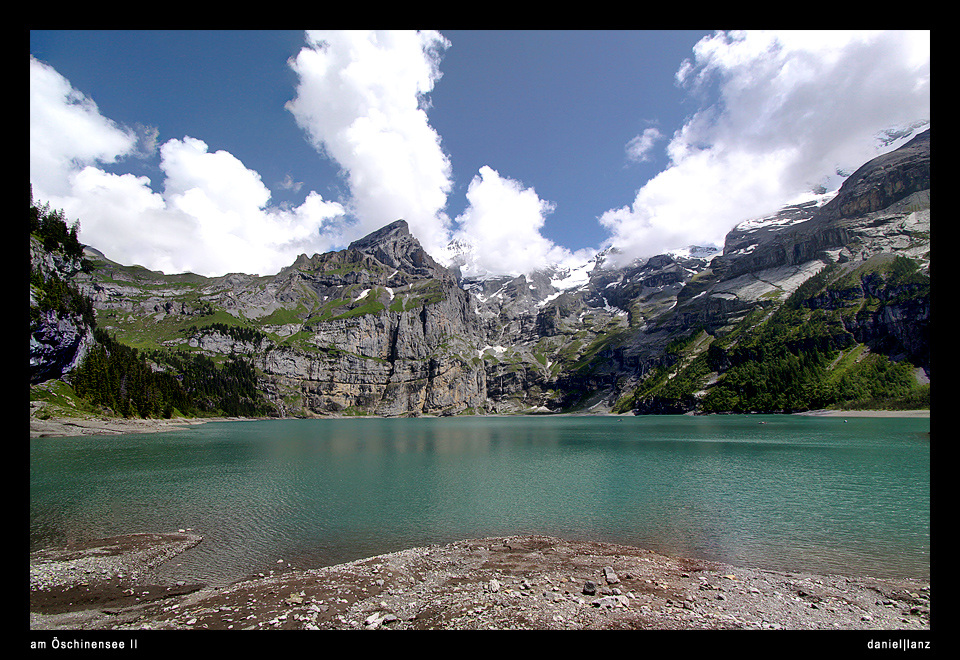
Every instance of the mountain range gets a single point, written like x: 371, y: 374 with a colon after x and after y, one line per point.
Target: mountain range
x: 823, y: 304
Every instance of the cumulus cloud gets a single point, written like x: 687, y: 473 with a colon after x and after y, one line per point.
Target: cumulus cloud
x: 780, y: 113
x: 362, y: 100
x: 212, y: 217
x: 229, y: 205
x: 502, y: 223
x: 67, y: 131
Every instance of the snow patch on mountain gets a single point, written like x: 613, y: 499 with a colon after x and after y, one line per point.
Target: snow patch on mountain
x: 799, y: 210
x: 696, y: 252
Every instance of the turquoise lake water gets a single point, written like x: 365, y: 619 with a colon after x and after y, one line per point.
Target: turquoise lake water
x: 782, y: 492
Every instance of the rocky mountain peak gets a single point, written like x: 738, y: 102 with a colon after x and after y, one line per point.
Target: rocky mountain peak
x: 394, y: 246
x: 396, y: 231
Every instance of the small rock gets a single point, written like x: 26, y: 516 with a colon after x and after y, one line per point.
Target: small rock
x: 611, y: 602
x: 609, y: 575
x: 589, y: 588
x: 494, y: 585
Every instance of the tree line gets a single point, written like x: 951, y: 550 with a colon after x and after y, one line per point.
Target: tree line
x: 784, y: 365
x: 235, y: 332
x: 121, y: 378
x: 61, y: 297
x: 789, y: 363
x: 50, y: 226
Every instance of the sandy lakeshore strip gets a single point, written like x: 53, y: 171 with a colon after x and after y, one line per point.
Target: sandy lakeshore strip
x: 66, y: 426
x: 918, y: 414
x: 517, y: 582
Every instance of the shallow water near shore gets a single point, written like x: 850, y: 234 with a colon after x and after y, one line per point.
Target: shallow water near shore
x: 782, y: 492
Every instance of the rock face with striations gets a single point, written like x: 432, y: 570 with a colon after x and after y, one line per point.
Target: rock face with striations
x: 877, y: 194
x: 396, y: 339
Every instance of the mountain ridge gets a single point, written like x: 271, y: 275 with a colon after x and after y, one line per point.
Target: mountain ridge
x: 384, y: 328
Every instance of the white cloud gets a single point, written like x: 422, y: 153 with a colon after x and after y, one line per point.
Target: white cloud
x: 67, y: 131
x: 361, y: 100
x: 638, y: 149
x: 779, y: 113
x: 212, y: 218
x: 219, y: 177
x: 502, y: 223
x: 782, y: 112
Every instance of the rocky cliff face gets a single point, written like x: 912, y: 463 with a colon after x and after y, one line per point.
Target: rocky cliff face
x: 383, y: 328
x: 883, y: 206
x: 59, y: 337
x: 58, y: 343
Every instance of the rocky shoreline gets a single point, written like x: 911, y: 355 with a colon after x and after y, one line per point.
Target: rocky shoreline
x: 504, y: 583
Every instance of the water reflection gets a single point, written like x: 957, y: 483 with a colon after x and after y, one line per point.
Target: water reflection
x: 795, y: 493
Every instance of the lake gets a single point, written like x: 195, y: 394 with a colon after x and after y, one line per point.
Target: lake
x: 782, y: 492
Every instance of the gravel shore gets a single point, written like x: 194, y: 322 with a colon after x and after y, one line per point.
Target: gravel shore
x: 522, y: 582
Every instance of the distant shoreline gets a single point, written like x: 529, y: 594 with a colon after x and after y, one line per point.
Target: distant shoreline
x: 866, y: 413
x: 58, y: 427
x: 69, y: 427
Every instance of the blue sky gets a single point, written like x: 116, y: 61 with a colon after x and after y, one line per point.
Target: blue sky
x: 235, y: 151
